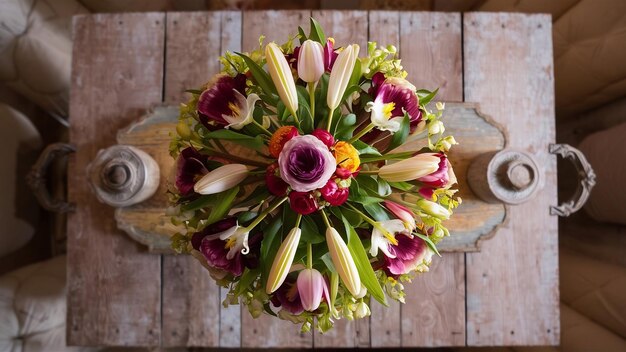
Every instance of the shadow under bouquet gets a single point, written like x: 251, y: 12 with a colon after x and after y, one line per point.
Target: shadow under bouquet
x: 309, y: 179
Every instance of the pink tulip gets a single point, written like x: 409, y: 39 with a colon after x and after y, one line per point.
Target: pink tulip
x: 310, y: 287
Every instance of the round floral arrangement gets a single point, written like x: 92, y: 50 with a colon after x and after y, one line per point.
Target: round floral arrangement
x: 315, y: 184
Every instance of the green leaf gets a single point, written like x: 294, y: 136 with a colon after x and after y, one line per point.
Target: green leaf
x: 345, y: 126
x: 402, y: 134
x: 356, y: 74
x: 261, y: 77
x: 429, y: 243
x: 269, y: 246
x: 310, y: 231
x: 255, y: 143
x: 194, y: 91
x: 247, y: 278
x: 260, y: 192
x: 365, y: 149
x: 201, y: 202
x: 304, y: 110
x: 222, y: 203
x: 426, y: 96
x: 303, y: 37
x: 403, y: 186
x: 317, y: 33
x: 363, y: 266
x: 376, y: 211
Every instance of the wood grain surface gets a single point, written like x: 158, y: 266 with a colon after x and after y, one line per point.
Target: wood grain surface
x: 124, y: 64
x: 434, y: 313
x: 114, y: 285
x: 512, y: 284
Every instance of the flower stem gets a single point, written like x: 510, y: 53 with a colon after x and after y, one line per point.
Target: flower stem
x: 326, y: 221
x: 402, y: 155
x: 265, y: 212
x: 362, y: 133
x: 330, y: 120
x: 236, y: 158
x: 311, y: 87
x: 309, y: 255
x: 375, y: 224
x: 262, y: 128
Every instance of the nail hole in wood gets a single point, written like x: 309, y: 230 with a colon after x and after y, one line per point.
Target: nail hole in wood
x: 385, y: 21
x: 388, y: 332
x: 477, y: 332
x: 447, y: 24
x: 254, y: 331
x: 473, y: 23
x: 157, y: 22
x: 150, y: 332
x: 175, y: 22
x: 503, y: 25
x: 433, y: 27
x: 484, y: 274
x: 411, y: 23
x: 540, y: 26
x: 120, y: 23
x: 117, y: 331
x: 549, y: 331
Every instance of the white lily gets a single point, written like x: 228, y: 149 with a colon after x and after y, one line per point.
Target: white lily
x: 340, y: 75
x: 236, y: 239
x: 283, y: 260
x: 241, y: 111
x: 221, y: 179
x: 343, y: 261
x: 381, y: 239
x: 281, y: 75
x: 381, y: 115
x: 411, y: 168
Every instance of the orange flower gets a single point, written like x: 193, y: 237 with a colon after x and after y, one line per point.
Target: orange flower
x: 347, y: 156
x: 280, y: 137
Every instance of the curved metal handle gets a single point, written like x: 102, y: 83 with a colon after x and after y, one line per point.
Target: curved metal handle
x: 586, y: 178
x: 36, y: 178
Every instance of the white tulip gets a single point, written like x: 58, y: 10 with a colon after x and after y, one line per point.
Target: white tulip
x: 311, y: 61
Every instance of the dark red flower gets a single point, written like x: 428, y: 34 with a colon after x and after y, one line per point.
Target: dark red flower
x: 216, y: 100
x: 302, y: 202
x: 324, y: 136
x: 215, y: 250
x: 334, y: 194
x: 275, y: 184
x: 190, y: 166
x: 287, y: 296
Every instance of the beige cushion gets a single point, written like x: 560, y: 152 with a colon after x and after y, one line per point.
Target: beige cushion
x: 36, y: 48
x: 595, y: 289
x: 33, y: 308
x: 19, y: 139
x: 606, y: 151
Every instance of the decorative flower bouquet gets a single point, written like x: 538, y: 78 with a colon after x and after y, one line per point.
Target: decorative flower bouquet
x: 308, y: 188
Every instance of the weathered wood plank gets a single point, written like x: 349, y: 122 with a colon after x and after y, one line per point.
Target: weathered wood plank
x: 276, y: 26
x: 114, y: 285
x: 434, y: 315
x: 346, y: 27
x: 512, y: 284
x: 192, y: 308
x: 268, y: 331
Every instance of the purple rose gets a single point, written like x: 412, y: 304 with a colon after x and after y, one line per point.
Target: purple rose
x: 306, y: 163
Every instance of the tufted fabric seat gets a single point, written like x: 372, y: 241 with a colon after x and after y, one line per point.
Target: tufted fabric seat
x: 36, y: 48
x: 33, y: 308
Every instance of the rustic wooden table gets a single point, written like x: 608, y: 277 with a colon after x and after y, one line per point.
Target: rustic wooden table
x: 119, y: 294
